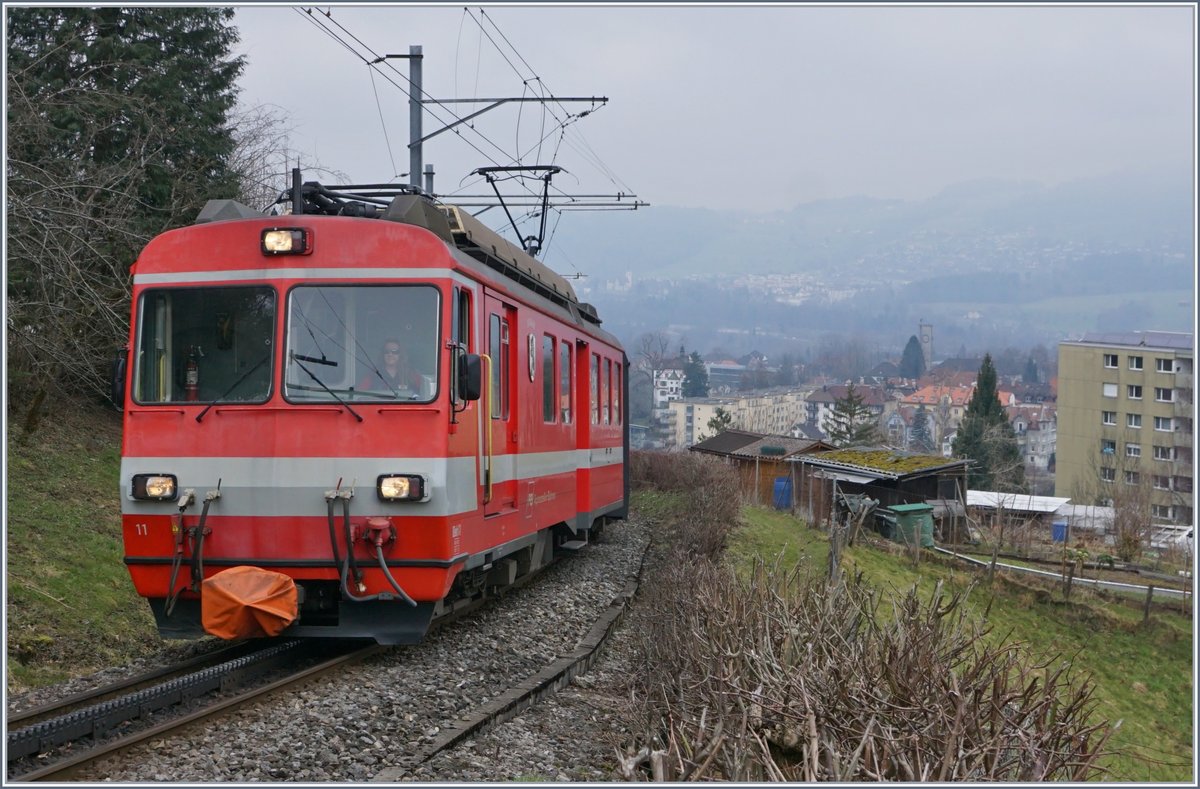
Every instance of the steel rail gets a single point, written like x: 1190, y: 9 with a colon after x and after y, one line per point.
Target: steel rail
x: 63, y: 769
x: 63, y: 705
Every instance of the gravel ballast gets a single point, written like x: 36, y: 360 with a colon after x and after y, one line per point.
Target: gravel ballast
x: 374, y: 720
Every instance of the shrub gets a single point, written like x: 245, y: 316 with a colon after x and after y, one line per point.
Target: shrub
x: 709, y: 491
x: 786, y: 678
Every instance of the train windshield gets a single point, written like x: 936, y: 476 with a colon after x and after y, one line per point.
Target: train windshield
x: 362, y: 343
x: 204, y: 344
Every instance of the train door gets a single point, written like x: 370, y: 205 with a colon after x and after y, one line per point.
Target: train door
x: 499, y: 454
x: 583, y: 432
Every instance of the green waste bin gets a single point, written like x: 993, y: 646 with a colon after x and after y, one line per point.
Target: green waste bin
x: 913, y: 522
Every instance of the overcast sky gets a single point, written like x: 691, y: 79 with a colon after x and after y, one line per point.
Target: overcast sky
x: 754, y: 107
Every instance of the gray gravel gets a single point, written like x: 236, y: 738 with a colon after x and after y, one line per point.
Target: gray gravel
x: 362, y: 723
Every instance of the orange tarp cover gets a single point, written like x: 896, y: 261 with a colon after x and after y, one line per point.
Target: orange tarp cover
x: 247, y: 602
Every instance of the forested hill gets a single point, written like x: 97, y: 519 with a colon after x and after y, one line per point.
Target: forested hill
x: 977, y: 224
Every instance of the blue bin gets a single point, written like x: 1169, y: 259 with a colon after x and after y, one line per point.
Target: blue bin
x: 1058, y: 531
x: 783, y: 493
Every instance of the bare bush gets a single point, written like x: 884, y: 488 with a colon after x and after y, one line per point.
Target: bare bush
x: 786, y: 678
x: 710, y: 491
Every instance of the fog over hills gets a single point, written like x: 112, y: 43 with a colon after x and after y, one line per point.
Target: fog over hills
x: 992, y: 262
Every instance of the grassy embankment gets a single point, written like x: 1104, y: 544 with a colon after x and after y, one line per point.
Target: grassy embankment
x: 1143, y: 675
x: 70, y: 603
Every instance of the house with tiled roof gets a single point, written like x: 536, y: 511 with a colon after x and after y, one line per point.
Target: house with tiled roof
x: 819, y: 403
x: 945, y: 404
x: 898, y: 424
x: 950, y: 378
x: 668, y: 386
x: 1036, y: 428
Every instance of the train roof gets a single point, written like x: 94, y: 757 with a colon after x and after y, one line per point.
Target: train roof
x: 453, y: 224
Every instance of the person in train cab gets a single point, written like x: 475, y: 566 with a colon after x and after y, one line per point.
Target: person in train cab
x: 393, y: 370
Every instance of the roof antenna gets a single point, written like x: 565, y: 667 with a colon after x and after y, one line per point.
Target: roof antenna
x: 297, y: 197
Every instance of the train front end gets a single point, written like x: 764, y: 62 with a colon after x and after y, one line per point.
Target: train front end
x: 279, y: 474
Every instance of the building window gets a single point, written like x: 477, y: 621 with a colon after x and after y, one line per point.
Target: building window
x: 1163, y: 511
x: 1164, y: 366
x: 1108, y: 447
x: 1164, y: 395
x: 1164, y: 453
x: 1107, y: 474
x: 1132, y: 477
x: 1108, y: 417
x: 1133, y: 420
x: 1110, y: 360
x: 1163, y: 423
x: 1133, y: 450
x: 1110, y: 390
x: 1161, y: 482
x: 1134, y: 391
x: 1135, y: 362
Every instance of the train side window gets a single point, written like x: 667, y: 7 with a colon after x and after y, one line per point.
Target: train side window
x: 462, y: 318
x: 607, y: 390
x: 505, y: 367
x: 460, y: 327
x: 495, y: 350
x: 595, y: 388
x: 616, y: 393
x: 564, y: 378
x: 548, y: 379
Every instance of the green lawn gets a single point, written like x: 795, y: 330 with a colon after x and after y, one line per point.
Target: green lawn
x: 1143, y: 676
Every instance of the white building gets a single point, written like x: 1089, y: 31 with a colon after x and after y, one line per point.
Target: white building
x: 668, y: 386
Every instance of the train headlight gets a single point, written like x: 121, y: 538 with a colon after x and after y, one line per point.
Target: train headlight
x: 402, y: 487
x: 285, y: 241
x: 154, y: 487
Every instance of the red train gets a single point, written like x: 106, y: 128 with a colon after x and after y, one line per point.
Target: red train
x: 340, y: 420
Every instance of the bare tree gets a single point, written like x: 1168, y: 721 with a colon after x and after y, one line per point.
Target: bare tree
x: 264, y: 155
x: 652, y: 353
x: 71, y: 232
x: 1119, y: 481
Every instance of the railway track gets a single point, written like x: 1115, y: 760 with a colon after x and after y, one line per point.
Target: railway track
x: 56, y: 741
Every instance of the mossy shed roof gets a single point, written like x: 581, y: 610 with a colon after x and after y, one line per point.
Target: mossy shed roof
x: 889, y: 462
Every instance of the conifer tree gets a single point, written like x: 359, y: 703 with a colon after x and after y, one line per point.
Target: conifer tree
x: 695, y: 377
x: 1031, y: 375
x: 720, y: 420
x: 912, y: 363
x: 852, y: 423
x: 986, y: 438
x: 118, y: 128
x: 921, y: 440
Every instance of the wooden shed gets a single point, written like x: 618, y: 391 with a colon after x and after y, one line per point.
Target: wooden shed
x: 890, y: 476
x: 764, y: 463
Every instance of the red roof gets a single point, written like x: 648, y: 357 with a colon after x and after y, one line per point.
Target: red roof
x: 932, y: 395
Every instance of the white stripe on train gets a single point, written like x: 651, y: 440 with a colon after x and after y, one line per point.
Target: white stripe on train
x: 272, y: 486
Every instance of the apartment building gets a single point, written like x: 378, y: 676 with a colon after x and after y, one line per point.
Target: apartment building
x: 771, y: 413
x: 1125, y: 417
